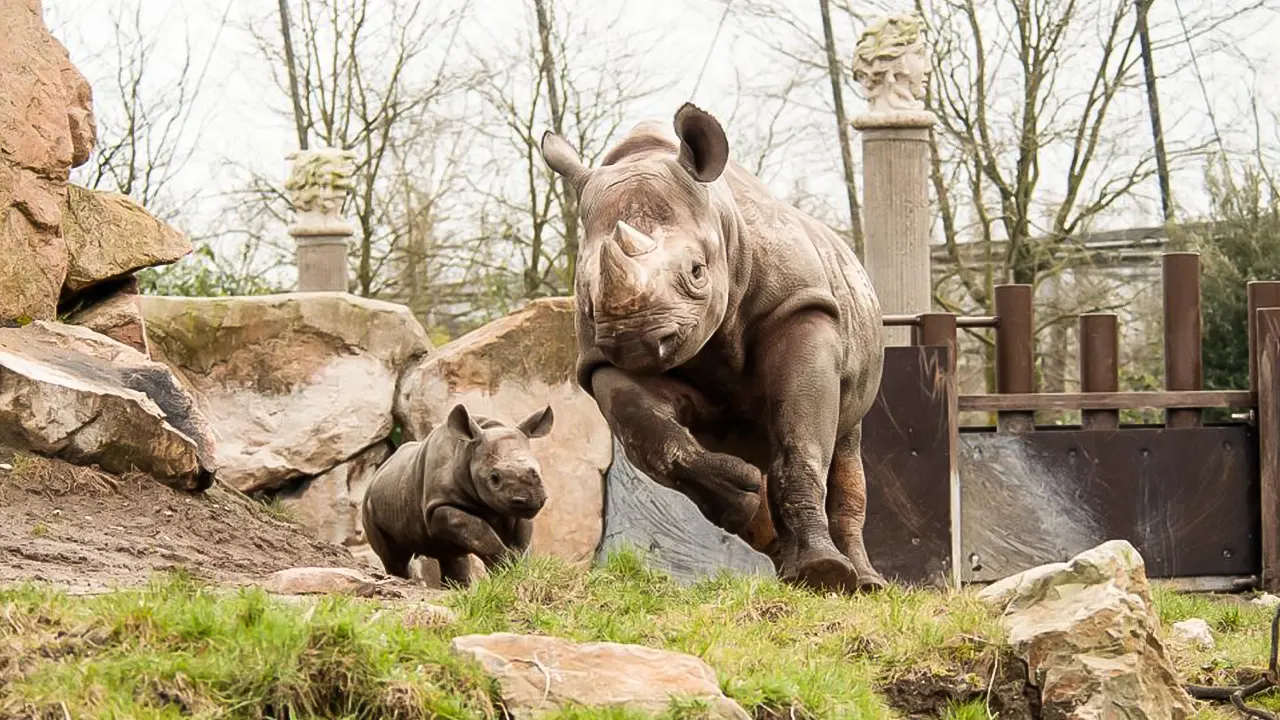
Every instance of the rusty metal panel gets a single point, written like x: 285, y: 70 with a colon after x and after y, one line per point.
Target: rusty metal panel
x: 907, y: 454
x: 1186, y: 498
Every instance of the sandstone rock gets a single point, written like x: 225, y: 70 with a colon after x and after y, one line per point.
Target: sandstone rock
x: 538, y: 675
x: 118, y: 316
x: 70, y: 393
x: 293, y: 384
x: 318, y: 581
x: 1194, y: 631
x: 109, y: 236
x: 1089, y: 634
x: 46, y: 128
x: 329, y: 505
x: 508, y: 369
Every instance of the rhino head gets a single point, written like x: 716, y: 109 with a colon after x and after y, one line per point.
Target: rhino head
x: 505, y: 474
x: 653, y: 270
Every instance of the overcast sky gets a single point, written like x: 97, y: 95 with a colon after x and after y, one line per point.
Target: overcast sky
x: 244, y: 127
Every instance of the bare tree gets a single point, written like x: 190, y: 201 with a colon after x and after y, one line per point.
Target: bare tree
x: 584, y: 96
x: 369, y: 76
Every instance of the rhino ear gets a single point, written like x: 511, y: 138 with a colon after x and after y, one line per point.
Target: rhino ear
x: 462, y: 424
x: 563, y: 159
x: 704, y: 149
x: 538, y: 424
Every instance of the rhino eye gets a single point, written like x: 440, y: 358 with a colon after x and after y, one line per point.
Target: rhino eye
x: 699, y: 270
x: 494, y: 478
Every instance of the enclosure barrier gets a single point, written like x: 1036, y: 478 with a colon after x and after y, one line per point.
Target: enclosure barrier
x: 1201, y: 500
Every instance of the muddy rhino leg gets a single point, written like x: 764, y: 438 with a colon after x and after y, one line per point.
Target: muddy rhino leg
x: 800, y: 368
x: 394, y: 561
x: 455, y: 569
x: 467, y: 532
x: 847, y: 507
x: 651, y: 417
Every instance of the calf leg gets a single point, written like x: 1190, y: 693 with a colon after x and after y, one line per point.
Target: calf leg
x: 651, y: 418
x: 394, y: 561
x: 847, y: 507
x: 468, y: 533
x: 455, y: 569
x: 799, y: 366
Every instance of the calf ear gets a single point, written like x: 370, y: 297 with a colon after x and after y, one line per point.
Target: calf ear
x: 704, y: 149
x: 563, y: 159
x: 538, y: 424
x: 462, y: 424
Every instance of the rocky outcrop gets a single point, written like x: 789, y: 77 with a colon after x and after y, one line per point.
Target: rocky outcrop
x: 69, y: 393
x: 1090, y: 636
x: 508, y: 369
x: 118, y: 315
x: 539, y: 675
x: 329, y: 504
x: 109, y: 236
x: 293, y: 385
x: 46, y: 128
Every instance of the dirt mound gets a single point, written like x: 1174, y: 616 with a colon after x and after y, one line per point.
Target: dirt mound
x: 88, y: 531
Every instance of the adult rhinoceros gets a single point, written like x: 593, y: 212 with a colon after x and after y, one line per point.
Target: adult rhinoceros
x: 722, y: 332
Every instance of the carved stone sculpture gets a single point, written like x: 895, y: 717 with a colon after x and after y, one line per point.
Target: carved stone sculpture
x: 318, y: 185
x: 892, y: 65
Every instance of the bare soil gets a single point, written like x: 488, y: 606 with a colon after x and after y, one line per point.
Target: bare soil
x: 89, y: 531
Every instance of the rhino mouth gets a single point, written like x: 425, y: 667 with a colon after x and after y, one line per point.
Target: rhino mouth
x: 654, y: 352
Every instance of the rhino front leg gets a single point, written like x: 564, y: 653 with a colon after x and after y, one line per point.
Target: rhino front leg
x: 847, y: 507
x: 651, y: 417
x: 800, y: 369
x: 468, y: 533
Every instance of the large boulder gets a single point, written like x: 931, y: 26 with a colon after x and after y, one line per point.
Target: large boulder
x: 293, y: 384
x: 539, y: 675
x: 110, y: 236
x: 329, y: 504
x: 117, y: 314
x: 46, y: 128
x: 508, y: 369
x: 69, y: 393
x: 1090, y: 636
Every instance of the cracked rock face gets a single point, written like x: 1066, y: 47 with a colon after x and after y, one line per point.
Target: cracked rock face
x: 70, y: 393
x: 293, y: 385
x: 46, y: 128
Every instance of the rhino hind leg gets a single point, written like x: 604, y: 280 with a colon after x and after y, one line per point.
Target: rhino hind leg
x: 394, y: 561
x: 651, y: 418
x: 847, y: 508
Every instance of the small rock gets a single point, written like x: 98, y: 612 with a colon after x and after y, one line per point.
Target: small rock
x: 6, y: 467
x: 318, y: 580
x: 538, y: 675
x: 1089, y: 634
x: 1194, y: 631
x: 1266, y: 600
x: 428, y: 616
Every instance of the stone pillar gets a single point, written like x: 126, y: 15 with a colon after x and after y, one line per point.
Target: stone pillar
x: 891, y: 65
x: 318, y: 184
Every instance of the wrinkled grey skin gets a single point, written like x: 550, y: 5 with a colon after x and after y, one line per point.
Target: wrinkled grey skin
x: 723, y: 333
x: 472, y: 487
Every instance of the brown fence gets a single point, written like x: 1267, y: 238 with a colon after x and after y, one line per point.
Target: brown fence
x: 1200, y: 500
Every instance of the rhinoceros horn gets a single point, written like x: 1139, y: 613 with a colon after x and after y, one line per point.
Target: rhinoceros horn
x: 632, y: 241
x: 621, y: 278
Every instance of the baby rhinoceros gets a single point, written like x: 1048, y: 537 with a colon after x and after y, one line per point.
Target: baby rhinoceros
x: 472, y: 487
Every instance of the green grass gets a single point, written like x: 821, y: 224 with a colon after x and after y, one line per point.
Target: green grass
x: 179, y: 648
